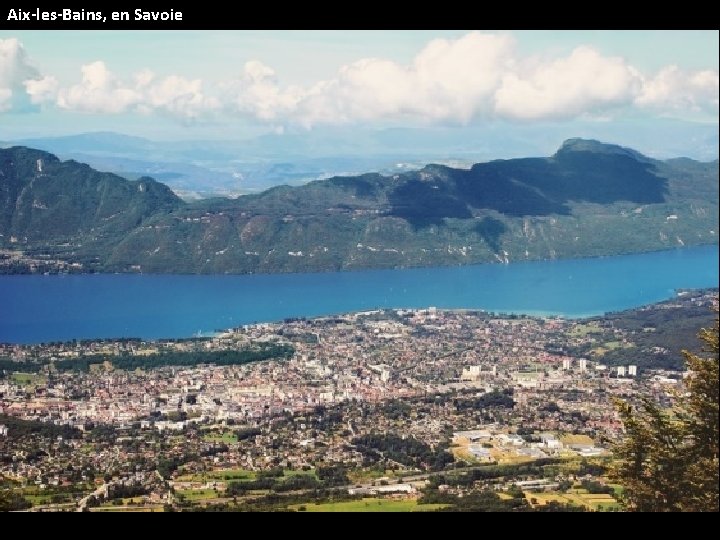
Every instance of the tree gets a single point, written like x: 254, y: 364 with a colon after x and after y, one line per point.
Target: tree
x: 668, y: 459
x: 12, y: 501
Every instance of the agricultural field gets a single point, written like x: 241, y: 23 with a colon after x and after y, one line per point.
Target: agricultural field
x: 570, y: 438
x: 578, y: 497
x: 218, y: 475
x: 369, y: 505
x: 194, y: 495
x: 144, y: 509
x: 52, y: 495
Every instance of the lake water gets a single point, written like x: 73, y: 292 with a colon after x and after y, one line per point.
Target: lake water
x: 36, y: 309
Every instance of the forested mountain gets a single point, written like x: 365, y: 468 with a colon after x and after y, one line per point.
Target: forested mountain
x: 588, y: 199
x: 44, y: 200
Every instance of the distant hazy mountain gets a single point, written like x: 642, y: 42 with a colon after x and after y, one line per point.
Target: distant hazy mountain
x: 588, y: 199
x: 205, y: 168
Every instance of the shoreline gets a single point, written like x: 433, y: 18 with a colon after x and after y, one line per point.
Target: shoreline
x: 39, y: 309
x: 489, y: 263
x: 506, y: 314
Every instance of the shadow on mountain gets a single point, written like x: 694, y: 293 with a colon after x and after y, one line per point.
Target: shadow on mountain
x: 581, y: 171
x: 360, y: 184
x: 490, y: 229
x: 426, y: 203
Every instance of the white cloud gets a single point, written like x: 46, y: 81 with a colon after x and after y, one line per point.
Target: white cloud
x: 449, y: 80
x: 673, y: 89
x: 42, y: 90
x: 15, y: 70
x: 5, y: 99
x: 14, y: 66
x: 98, y: 92
x: 584, y: 82
x: 256, y: 93
x: 477, y: 76
x: 474, y: 77
x: 177, y: 96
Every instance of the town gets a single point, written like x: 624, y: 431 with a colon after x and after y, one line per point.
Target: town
x: 429, y: 409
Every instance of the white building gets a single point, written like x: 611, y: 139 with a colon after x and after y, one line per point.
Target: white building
x: 621, y: 371
x: 583, y: 364
x: 632, y: 371
x: 393, y: 488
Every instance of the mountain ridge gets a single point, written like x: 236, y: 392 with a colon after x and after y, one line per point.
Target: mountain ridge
x: 589, y: 198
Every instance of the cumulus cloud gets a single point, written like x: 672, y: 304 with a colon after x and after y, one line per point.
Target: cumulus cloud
x: 100, y: 91
x: 257, y: 93
x: 676, y: 90
x: 475, y: 77
x: 175, y: 95
x: 449, y: 80
x: 42, y: 90
x: 15, y: 70
x: 584, y: 82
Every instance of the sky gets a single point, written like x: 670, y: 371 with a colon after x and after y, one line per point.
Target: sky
x: 235, y: 84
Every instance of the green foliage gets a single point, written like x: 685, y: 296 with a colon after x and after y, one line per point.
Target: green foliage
x: 668, y: 459
x: 18, y: 428
x: 491, y: 472
x: 657, y: 335
x: 10, y: 501
x: 489, y: 501
x: 589, y: 199
x: 62, y: 200
x: 276, y: 481
x: 407, y: 451
x: 257, y: 353
x: 247, y: 433
x: 491, y: 399
x: 333, y: 475
x: 119, y: 491
x: 595, y: 487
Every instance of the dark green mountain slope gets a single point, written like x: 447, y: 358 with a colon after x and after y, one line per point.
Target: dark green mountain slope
x: 45, y: 202
x: 588, y: 199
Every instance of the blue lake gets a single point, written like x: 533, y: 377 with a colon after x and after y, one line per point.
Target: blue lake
x: 36, y: 309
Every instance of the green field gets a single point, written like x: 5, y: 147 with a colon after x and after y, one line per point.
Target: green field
x: 370, y: 505
x: 231, y: 474
x: 38, y: 496
x: 143, y: 509
x: 27, y: 379
x: 237, y: 475
x: 220, y: 474
x: 198, y: 494
x: 288, y: 473
x: 225, y: 437
x: 363, y: 476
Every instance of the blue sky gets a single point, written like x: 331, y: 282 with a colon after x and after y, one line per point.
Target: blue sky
x: 234, y: 84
